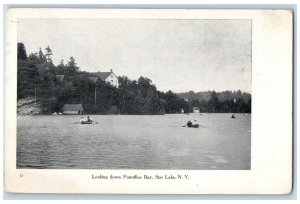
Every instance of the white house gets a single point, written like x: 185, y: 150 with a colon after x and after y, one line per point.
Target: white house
x: 108, y: 77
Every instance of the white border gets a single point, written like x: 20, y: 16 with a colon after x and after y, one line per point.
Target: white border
x: 271, y: 116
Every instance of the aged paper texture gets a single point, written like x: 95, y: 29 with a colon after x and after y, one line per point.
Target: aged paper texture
x: 84, y: 127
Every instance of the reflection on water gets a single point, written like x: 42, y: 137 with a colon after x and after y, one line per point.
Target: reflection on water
x: 134, y: 142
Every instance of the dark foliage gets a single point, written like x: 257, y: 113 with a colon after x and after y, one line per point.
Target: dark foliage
x: 38, y: 77
x: 21, y: 51
x: 221, y: 102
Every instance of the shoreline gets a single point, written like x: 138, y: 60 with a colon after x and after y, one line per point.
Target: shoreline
x: 24, y: 115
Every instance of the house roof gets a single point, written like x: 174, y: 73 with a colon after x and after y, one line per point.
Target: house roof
x: 103, y: 75
x: 72, y: 107
x: 94, y: 79
x: 196, y: 108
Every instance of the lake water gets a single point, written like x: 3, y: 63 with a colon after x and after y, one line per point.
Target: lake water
x: 134, y: 142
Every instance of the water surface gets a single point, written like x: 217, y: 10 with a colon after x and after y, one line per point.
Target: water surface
x: 134, y: 142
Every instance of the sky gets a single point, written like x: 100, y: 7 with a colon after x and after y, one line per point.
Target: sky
x: 177, y: 55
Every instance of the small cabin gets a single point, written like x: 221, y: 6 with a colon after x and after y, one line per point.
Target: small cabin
x: 73, y: 109
x: 196, y: 110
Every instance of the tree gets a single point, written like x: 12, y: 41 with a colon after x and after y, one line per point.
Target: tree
x: 37, y: 76
x: 213, y: 102
x: 48, y: 54
x: 61, y: 63
x: 72, y: 62
x: 72, y: 66
x: 195, y: 103
x: 41, y: 56
x: 33, y: 57
x: 248, y: 106
x: 21, y: 51
x: 173, y: 104
x: 144, y: 81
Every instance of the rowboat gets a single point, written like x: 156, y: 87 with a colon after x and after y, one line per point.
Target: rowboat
x: 86, y: 122
x: 191, y: 125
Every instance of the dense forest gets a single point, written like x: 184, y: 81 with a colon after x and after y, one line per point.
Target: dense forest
x: 40, y: 79
x: 219, y: 102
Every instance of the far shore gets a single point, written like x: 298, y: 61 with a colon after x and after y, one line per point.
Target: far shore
x: 24, y: 115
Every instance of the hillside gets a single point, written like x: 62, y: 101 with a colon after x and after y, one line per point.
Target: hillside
x: 219, y: 102
x: 222, y: 96
x: 57, y: 85
x: 27, y: 106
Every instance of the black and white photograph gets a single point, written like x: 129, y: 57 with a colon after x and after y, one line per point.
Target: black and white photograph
x: 148, y: 101
x: 134, y: 94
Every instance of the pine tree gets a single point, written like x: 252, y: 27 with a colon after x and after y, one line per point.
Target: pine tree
x: 72, y: 66
x: 61, y: 63
x: 214, y: 102
x: 21, y: 51
x: 41, y: 56
x: 48, y: 54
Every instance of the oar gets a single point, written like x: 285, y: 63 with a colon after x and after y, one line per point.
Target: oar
x: 94, y: 121
x: 199, y: 125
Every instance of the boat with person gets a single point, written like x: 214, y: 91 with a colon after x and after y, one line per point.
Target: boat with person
x: 192, y: 125
x: 88, y: 120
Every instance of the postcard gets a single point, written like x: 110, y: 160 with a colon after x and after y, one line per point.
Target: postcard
x: 148, y: 101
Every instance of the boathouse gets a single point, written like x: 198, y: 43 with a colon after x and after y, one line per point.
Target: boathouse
x: 73, y: 109
x: 196, y: 110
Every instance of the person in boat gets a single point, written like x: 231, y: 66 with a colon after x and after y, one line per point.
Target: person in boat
x: 195, y: 122
x: 88, y: 119
x: 189, y: 124
x: 232, y: 116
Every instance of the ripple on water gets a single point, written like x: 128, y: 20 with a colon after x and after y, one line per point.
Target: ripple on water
x: 134, y: 142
